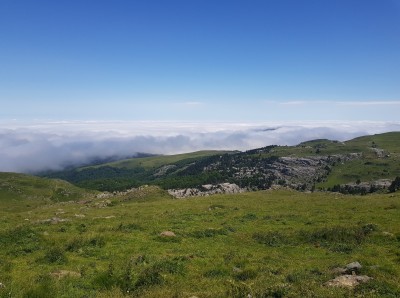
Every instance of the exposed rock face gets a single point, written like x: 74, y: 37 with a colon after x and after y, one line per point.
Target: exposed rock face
x: 206, y: 190
x: 262, y: 173
x: 164, y: 170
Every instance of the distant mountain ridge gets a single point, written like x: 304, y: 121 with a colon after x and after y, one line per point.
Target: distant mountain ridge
x: 362, y: 164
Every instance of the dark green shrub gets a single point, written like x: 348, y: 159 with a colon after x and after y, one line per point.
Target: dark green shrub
x: 271, y: 238
x: 249, y: 217
x: 82, y: 243
x: 275, y: 291
x: 149, y: 277
x: 209, y: 233
x: 214, y: 273
x: 339, y: 238
x: 174, y: 266
x: 245, y: 274
x: 21, y: 240
x: 129, y: 227
x: 55, y: 255
x: 106, y: 279
x: 238, y: 290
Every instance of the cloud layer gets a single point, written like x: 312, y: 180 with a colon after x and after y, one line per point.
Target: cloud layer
x: 38, y: 146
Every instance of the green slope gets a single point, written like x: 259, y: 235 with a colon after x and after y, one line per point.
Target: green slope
x: 133, y: 172
x: 20, y: 191
x: 263, y: 244
x: 158, y: 161
x: 380, y: 160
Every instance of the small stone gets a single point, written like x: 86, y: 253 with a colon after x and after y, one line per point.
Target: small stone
x: 236, y: 269
x: 167, y: 234
x: 339, y: 270
x: 388, y: 234
x: 353, y: 267
x: 64, y: 273
x: 2, y: 286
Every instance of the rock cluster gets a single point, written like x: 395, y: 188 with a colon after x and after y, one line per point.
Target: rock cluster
x: 206, y: 190
x: 348, y: 276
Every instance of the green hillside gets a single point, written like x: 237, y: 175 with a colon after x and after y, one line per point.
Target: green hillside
x: 20, y: 191
x: 324, y: 164
x: 133, y: 172
x: 264, y: 244
x: 160, y: 160
x: 380, y: 160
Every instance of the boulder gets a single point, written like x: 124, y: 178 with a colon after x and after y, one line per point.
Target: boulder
x: 347, y: 281
x: 167, y: 234
x: 353, y: 267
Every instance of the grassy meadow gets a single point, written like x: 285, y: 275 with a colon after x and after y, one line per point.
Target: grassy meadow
x: 264, y: 244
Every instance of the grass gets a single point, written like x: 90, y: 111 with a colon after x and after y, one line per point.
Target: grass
x: 267, y: 244
x: 158, y: 161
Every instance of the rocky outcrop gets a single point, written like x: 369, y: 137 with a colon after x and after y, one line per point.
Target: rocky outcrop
x: 347, y: 280
x: 164, y: 170
x: 206, y: 190
x: 348, y: 276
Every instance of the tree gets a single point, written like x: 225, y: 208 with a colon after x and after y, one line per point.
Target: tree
x: 395, y: 185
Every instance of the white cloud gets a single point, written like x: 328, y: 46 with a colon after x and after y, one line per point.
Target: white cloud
x: 369, y: 103
x: 193, y: 103
x: 36, y: 146
x: 295, y: 102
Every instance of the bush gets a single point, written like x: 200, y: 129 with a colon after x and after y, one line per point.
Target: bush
x: 214, y: 273
x: 129, y: 227
x: 339, y: 238
x: 55, y: 256
x: 238, y: 290
x: 246, y: 274
x: 271, y: 238
x: 209, y: 233
x: 174, y: 266
x: 21, y: 240
x: 80, y: 244
x: 149, y: 277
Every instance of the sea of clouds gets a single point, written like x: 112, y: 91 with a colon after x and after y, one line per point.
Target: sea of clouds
x: 45, y: 145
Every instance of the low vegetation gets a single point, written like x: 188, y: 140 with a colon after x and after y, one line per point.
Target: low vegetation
x: 264, y: 244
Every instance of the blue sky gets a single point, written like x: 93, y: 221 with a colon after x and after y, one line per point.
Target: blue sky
x: 202, y: 60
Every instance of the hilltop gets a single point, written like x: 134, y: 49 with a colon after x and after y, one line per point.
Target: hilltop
x: 361, y: 165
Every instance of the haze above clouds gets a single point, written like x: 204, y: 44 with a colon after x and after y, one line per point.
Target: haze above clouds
x: 43, y: 146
